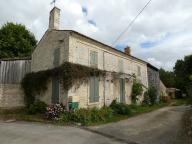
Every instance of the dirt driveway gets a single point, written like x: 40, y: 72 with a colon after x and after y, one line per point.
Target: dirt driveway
x: 158, y: 127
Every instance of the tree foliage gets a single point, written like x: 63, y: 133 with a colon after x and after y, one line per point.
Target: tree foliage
x: 183, y: 73
x: 167, y: 77
x: 16, y: 41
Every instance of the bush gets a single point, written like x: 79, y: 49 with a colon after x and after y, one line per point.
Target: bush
x: 146, y: 100
x: 120, y: 108
x: 87, y: 116
x: 38, y: 107
x: 137, y: 90
x: 150, y: 96
x: 152, y: 92
x: 53, y: 111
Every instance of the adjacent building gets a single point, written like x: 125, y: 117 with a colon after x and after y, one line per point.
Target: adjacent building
x: 154, y: 79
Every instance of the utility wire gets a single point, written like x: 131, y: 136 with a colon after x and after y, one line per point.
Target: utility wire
x: 131, y: 23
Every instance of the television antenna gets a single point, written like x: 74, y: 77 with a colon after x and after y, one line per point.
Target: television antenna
x: 53, y: 2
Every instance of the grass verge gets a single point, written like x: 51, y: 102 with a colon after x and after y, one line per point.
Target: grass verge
x: 21, y: 115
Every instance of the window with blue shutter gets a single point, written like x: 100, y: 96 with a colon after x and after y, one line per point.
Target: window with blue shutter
x: 93, y: 59
x: 122, y: 90
x: 120, y: 65
x: 56, y: 57
x: 138, y: 71
x: 55, y: 80
x: 94, y: 89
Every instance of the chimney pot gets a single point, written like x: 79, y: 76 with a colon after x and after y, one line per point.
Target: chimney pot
x: 54, y: 18
x: 127, y: 50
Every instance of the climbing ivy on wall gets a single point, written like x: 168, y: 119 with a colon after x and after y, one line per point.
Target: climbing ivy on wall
x: 70, y: 74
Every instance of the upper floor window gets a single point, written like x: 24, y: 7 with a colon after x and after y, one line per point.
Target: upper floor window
x: 138, y: 71
x: 120, y: 63
x: 94, y: 59
x: 56, y: 57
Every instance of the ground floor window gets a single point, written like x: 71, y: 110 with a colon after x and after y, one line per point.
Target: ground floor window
x: 55, y: 90
x: 94, y: 89
x: 122, y: 90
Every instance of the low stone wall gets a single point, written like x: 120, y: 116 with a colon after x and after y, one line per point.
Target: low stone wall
x: 11, y: 96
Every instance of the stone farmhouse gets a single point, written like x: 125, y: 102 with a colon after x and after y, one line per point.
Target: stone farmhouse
x: 59, y: 46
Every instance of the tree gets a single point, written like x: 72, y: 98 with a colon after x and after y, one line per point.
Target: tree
x: 16, y: 41
x: 167, y: 77
x: 183, y: 72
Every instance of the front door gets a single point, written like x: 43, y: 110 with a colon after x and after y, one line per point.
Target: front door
x: 122, y: 90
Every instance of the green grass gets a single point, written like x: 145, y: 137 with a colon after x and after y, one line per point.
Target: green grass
x: 20, y: 115
x: 178, y: 102
x: 135, y: 110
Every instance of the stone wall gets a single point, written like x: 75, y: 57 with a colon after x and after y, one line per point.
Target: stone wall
x: 44, y: 53
x: 153, y: 79
x: 163, y: 89
x: 11, y: 96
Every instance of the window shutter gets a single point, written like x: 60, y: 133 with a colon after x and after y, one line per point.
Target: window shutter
x: 96, y: 89
x: 93, y: 58
x: 91, y: 96
x: 96, y: 59
x: 56, y: 57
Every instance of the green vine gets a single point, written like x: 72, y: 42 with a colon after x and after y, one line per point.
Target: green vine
x: 69, y: 74
x: 137, y: 90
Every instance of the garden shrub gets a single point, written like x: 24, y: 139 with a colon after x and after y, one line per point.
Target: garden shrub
x: 87, y: 116
x: 82, y: 116
x: 54, y: 111
x: 65, y: 116
x: 146, y: 100
x: 120, y: 108
x: 150, y: 96
x: 137, y: 90
x: 38, y: 107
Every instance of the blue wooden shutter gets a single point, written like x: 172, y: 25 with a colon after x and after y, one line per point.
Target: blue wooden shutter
x: 122, y: 90
x: 55, y: 90
x: 91, y: 95
x: 56, y: 57
x: 94, y: 89
x: 96, y: 96
x: 93, y: 59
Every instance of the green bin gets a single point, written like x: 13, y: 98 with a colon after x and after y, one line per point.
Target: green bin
x: 73, y: 105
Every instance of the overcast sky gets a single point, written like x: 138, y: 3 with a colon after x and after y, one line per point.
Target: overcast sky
x: 161, y: 35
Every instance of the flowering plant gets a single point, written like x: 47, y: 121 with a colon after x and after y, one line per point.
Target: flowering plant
x: 53, y: 111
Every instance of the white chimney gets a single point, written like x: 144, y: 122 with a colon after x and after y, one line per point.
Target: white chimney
x: 54, y: 18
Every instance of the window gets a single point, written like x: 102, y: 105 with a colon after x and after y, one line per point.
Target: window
x: 120, y: 63
x: 138, y: 71
x: 94, y: 89
x: 56, y: 57
x: 94, y: 59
